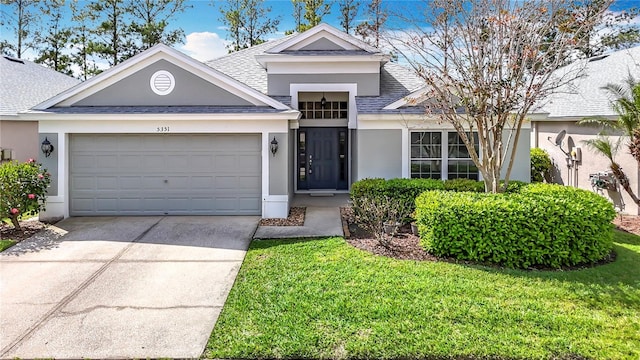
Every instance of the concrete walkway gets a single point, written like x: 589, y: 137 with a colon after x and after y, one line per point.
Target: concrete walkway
x: 322, y: 219
x: 116, y: 287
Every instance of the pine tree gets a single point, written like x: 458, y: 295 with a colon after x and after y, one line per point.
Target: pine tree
x: 248, y: 22
x: 20, y: 20
x: 348, y: 13
x: 152, y: 19
x: 112, y: 40
x: 371, y: 30
x: 53, y: 39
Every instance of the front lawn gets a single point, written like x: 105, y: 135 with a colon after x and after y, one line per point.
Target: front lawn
x: 5, y: 244
x: 326, y: 299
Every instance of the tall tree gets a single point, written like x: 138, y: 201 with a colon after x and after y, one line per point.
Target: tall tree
x: 151, y: 19
x: 82, y: 44
x: 112, y: 40
x: 298, y: 16
x: 53, y: 40
x: 614, y: 31
x: 257, y: 23
x: 371, y: 30
x: 348, y: 13
x: 500, y: 63
x: 314, y: 11
x: 626, y: 103
x: 19, y: 20
x: 248, y: 23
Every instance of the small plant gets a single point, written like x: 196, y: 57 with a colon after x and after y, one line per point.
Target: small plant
x: 377, y: 214
x: 540, y: 165
x: 23, y: 188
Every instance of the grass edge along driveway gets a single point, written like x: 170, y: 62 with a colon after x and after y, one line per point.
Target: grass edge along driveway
x: 325, y: 299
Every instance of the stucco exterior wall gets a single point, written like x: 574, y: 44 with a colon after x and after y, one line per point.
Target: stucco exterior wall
x: 273, y: 205
x: 544, y: 134
x: 379, y: 154
x: 521, y: 169
x: 368, y: 84
x: 135, y: 90
x: 21, y: 137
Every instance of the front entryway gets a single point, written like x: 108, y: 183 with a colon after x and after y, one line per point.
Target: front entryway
x: 322, y: 158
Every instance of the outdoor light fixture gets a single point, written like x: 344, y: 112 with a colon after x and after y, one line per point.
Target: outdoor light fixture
x: 274, y: 146
x: 46, y: 147
x: 323, y: 101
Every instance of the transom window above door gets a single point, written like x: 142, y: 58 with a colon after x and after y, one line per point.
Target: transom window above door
x: 323, y: 110
x: 441, y: 155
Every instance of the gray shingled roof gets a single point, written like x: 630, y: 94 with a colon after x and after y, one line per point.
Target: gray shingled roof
x: 584, y: 96
x: 24, y: 84
x: 396, y: 81
x: 242, y: 65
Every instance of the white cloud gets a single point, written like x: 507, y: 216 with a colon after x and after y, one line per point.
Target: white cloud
x: 204, y: 46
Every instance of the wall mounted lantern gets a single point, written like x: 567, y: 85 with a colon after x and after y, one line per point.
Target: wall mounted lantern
x: 46, y: 147
x: 274, y: 146
x: 323, y: 101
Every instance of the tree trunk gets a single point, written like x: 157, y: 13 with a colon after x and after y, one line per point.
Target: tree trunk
x: 624, y: 181
x: 15, y: 222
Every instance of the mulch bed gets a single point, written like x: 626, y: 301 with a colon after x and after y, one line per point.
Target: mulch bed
x: 628, y: 223
x: 406, y: 246
x: 296, y: 218
x: 30, y: 227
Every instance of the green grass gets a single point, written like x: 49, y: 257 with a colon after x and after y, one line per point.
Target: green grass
x: 5, y: 244
x: 326, y: 299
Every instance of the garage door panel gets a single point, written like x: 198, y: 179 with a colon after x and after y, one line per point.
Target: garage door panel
x: 207, y: 174
x: 109, y: 183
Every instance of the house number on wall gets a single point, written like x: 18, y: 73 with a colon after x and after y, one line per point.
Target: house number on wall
x: 162, y: 129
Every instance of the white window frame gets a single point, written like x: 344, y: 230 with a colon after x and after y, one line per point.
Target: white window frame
x: 444, y: 152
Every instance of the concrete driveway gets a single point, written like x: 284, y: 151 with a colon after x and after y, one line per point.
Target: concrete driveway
x: 120, y: 287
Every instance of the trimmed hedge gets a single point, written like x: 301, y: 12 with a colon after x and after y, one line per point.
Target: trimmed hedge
x: 405, y: 191
x: 541, y: 225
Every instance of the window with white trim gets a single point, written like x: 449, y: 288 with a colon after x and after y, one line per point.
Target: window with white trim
x: 441, y: 155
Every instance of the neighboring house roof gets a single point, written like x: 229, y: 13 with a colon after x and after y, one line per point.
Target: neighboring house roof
x: 24, y: 84
x: 584, y: 96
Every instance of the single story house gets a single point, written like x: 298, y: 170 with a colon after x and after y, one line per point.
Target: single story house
x: 583, y: 98
x: 24, y: 84
x: 162, y: 133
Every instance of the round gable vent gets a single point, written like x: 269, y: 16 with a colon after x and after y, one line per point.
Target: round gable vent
x: 162, y: 82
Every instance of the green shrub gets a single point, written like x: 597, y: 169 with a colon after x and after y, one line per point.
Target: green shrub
x: 464, y: 185
x: 540, y: 165
x: 23, y: 189
x: 543, y: 225
x: 403, y: 191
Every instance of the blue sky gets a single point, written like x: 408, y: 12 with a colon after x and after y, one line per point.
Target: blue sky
x: 205, y: 33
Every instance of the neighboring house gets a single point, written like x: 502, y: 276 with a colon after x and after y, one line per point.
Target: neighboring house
x: 584, y: 98
x: 24, y: 84
x: 165, y: 134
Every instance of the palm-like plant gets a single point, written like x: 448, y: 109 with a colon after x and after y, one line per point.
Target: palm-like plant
x: 626, y: 104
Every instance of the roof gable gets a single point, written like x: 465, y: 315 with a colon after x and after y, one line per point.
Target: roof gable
x: 323, y: 33
x: 104, y: 89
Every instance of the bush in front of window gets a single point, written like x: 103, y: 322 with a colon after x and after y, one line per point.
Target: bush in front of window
x: 542, y: 225
x: 403, y: 192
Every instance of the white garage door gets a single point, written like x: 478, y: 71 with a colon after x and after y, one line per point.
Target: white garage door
x: 209, y: 174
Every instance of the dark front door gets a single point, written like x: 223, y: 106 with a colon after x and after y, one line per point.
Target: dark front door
x: 322, y: 158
